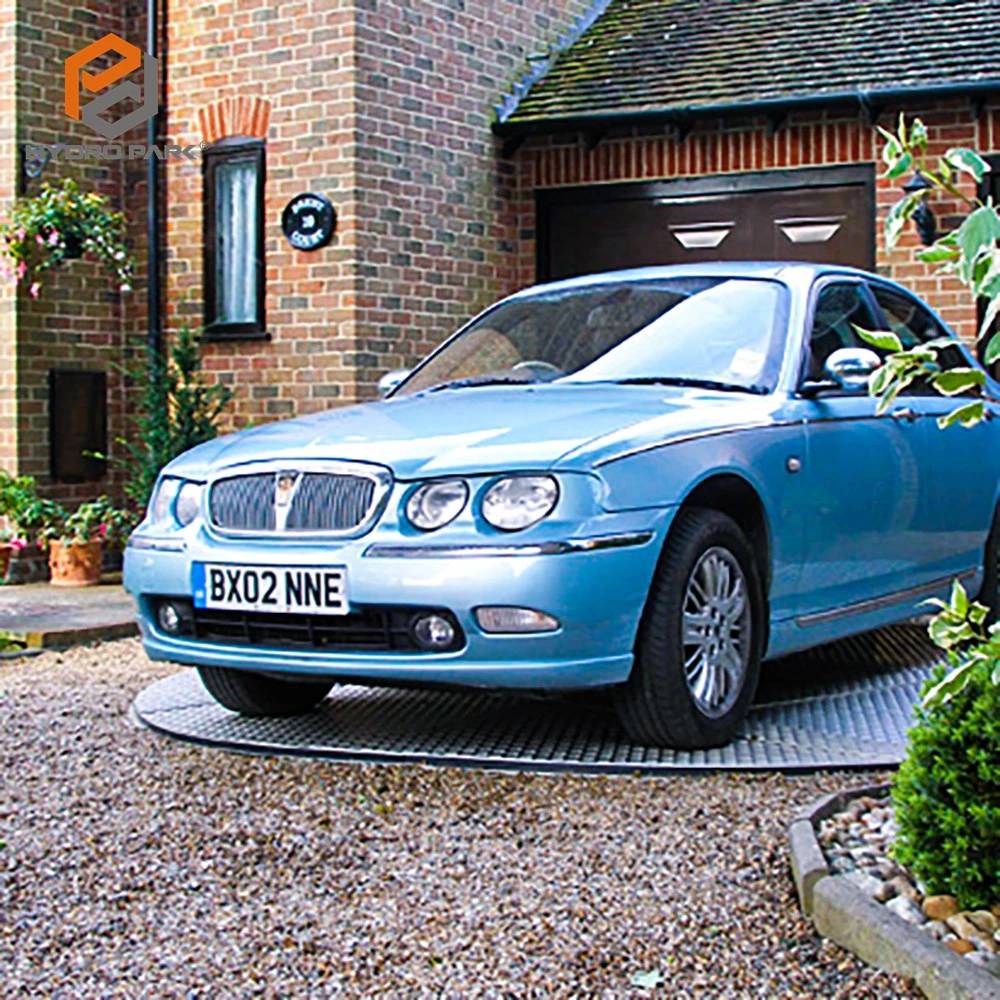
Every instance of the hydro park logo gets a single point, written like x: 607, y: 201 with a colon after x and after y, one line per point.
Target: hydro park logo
x: 133, y: 81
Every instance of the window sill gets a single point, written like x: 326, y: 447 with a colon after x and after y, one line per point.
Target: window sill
x: 222, y: 335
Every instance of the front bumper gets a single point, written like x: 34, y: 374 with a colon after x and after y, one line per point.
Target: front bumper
x: 596, y: 593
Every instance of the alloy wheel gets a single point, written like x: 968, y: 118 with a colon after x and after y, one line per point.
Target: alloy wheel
x: 716, y: 632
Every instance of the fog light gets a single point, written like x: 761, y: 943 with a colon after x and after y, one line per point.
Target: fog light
x: 433, y: 632
x: 170, y: 618
x: 515, y: 620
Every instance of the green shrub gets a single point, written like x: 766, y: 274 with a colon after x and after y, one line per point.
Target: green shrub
x: 947, y: 794
x: 181, y: 408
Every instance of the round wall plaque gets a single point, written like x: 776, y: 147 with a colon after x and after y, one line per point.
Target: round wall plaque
x: 309, y: 221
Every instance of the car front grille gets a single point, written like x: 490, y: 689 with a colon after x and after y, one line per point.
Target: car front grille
x: 324, y: 502
x: 372, y: 629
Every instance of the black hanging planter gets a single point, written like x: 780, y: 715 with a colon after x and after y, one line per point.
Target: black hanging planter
x: 74, y: 246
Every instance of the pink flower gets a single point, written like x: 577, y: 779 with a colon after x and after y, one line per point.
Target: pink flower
x: 35, y: 289
x: 54, y: 239
x: 102, y: 531
x: 39, y: 239
x: 22, y: 270
x: 22, y: 234
x: 18, y: 543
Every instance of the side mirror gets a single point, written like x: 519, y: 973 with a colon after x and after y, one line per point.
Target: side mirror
x: 850, y: 367
x: 390, y: 380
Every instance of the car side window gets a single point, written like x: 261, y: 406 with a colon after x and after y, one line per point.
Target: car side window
x: 839, y: 307
x: 913, y: 324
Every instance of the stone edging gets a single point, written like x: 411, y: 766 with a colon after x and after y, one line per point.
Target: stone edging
x: 842, y: 912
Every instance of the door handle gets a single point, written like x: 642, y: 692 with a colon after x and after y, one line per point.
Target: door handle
x: 905, y: 413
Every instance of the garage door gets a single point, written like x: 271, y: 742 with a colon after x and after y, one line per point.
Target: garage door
x: 825, y: 216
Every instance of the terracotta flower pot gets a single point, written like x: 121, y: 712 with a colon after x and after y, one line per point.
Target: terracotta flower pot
x: 76, y: 564
x: 5, y: 554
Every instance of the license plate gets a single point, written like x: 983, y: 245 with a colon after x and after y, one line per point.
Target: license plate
x: 281, y: 589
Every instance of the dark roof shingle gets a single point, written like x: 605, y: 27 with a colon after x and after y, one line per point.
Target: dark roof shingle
x: 645, y: 56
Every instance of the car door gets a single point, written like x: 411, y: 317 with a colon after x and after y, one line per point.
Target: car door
x: 959, y: 466
x: 862, y: 473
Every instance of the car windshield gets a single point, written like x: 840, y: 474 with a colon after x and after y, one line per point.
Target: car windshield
x: 715, y: 332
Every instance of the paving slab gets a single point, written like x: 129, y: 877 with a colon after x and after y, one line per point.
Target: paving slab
x: 47, y: 617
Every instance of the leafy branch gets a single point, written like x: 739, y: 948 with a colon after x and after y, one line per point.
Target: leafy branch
x: 970, y: 253
x: 960, y: 629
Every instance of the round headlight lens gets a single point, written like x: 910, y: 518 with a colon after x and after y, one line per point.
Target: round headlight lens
x: 434, y: 505
x: 164, y: 500
x: 188, y: 503
x: 519, y: 501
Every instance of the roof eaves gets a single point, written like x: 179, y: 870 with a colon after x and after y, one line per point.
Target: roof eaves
x: 540, y: 65
x: 872, y: 99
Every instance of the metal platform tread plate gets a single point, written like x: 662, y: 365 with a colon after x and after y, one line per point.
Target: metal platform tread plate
x: 845, y: 705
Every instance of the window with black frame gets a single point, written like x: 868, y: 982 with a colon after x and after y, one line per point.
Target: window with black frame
x: 234, y: 274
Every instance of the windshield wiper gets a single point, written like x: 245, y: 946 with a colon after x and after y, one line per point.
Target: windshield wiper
x: 693, y: 383
x: 475, y: 381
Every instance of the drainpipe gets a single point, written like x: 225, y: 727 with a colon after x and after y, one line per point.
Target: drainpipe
x: 153, y: 296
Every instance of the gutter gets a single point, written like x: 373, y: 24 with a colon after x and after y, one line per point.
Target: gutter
x: 871, y: 103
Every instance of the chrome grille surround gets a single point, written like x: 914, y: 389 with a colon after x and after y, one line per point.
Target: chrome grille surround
x: 329, y: 499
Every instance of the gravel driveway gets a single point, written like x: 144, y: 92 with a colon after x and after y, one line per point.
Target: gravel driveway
x: 132, y: 866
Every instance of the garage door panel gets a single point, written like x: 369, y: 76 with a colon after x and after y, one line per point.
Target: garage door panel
x: 602, y: 228
x: 823, y: 225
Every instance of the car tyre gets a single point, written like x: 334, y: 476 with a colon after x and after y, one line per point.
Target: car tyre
x: 258, y: 695
x: 989, y: 592
x: 670, y: 698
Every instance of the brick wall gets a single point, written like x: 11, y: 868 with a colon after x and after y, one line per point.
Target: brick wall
x: 804, y: 140
x: 385, y: 108
x: 438, y: 222
x: 298, y: 56
x: 81, y: 320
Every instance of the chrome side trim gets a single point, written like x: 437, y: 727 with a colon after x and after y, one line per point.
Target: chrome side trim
x: 157, y: 544
x: 877, y: 603
x: 378, y: 474
x: 381, y: 551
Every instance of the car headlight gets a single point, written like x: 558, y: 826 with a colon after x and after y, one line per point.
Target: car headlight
x: 161, y: 510
x: 434, y: 505
x: 175, y: 503
x: 188, y: 503
x: 518, y: 502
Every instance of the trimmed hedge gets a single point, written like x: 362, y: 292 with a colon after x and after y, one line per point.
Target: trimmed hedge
x: 947, y: 795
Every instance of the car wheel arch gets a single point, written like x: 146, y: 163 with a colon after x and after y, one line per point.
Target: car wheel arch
x: 734, y: 496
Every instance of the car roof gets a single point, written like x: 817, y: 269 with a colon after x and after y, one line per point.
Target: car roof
x: 784, y: 271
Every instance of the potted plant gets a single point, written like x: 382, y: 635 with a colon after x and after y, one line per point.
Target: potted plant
x: 76, y: 542
x: 28, y: 515
x: 60, y: 224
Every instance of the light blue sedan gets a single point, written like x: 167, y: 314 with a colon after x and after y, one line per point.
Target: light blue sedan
x: 648, y: 481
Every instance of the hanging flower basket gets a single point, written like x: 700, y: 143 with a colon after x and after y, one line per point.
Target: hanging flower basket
x: 60, y: 224
x: 74, y: 246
